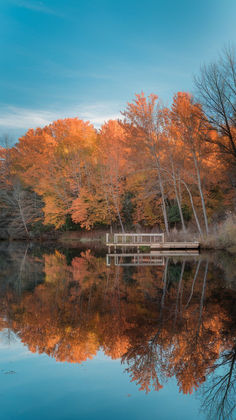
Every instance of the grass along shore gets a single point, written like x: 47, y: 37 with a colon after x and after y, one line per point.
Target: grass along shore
x: 221, y: 237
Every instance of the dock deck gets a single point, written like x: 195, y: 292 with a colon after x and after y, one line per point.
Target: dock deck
x: 154, y: 241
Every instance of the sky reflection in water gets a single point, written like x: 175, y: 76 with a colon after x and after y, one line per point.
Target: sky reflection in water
x: 80, y: 339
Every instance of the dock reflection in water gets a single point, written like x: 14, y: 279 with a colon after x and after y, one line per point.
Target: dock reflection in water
x: 162, y: 315
x: 153, y: 258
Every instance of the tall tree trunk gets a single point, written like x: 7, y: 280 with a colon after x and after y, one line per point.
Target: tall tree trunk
x: 162, y: 195
x: 22, y: 215
x: 200, y: 190
x: 193, y: 207
x: 117, y: 208
x: 106, y: 195
x: 119, y: 217
x: 177, y: 195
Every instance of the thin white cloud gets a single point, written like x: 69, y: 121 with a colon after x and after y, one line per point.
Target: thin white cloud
x: 98, y: 113
x: 14, y: 118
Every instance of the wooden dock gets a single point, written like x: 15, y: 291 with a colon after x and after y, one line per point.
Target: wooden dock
x: 154, y: 241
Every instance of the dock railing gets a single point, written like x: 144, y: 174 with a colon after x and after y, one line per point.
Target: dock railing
x: 135, y: 238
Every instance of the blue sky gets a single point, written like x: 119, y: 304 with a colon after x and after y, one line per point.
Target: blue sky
x: 66, y: 58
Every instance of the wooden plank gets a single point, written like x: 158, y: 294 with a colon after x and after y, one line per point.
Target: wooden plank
x: 166, y: 245
x: 176, y: 245
x: 179, y: 253
x: 139, y: 234
x: 176, y: 253
x: 135, y: 245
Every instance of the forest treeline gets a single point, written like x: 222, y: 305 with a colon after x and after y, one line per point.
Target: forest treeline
x: 156, y: 167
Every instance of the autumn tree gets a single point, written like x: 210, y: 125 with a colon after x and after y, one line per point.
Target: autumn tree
x: 143, y: 124
x: 20, y: 207
x: 173, y: 161
x: 188, y: 119
x: 57, y: 161
x: 113, y: 166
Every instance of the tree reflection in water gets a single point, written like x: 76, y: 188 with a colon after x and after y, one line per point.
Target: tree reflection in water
x: 176, y: 320
x: 219, y: 392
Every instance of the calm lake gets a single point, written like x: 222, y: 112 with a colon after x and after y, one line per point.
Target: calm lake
x: 84, y: 336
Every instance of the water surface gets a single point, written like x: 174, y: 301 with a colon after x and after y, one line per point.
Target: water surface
x: 81, y: 339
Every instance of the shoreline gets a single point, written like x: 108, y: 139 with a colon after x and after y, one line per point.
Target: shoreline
x: 73, y: 239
